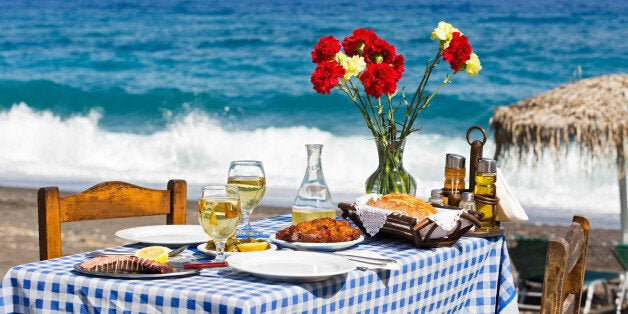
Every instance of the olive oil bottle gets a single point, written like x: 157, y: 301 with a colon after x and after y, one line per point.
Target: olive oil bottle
x: 485, y: 178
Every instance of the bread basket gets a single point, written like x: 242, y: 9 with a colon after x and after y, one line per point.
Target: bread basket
x: 420, y: 233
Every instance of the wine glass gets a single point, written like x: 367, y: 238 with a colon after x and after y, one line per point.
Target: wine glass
x: 248, y: 176
x: 219, y: 213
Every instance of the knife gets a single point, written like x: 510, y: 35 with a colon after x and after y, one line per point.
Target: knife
x: 205, y: 265
x: 108, y: 253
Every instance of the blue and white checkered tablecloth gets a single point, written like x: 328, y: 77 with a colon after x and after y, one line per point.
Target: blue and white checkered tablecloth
x: 472, y: 276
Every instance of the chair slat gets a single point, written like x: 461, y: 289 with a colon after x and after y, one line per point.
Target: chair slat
x: 113, y: 199
x: 564, y: 269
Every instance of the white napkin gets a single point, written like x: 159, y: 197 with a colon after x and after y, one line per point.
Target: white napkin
x: 372, y: 218
x: 446, y: 221
x: 508, y: 209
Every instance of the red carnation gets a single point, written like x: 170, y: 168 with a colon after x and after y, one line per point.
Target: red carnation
x: 379, y: 51
x: 354, y: 44
x: 326, y: 75
x: 458, y: 52
x: 325, y: 49
x: 398, y: 63
x: 380, y: 79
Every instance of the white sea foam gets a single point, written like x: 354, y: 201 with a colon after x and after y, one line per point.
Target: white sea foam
x: 40, y: 148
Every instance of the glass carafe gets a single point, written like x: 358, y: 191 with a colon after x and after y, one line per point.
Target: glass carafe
x: 313, y: 199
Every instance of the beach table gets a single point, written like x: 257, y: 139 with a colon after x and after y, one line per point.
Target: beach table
x: 472, y: 276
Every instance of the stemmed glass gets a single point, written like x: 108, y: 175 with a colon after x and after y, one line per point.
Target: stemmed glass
x: 219, y: 213
x: 249, y: 176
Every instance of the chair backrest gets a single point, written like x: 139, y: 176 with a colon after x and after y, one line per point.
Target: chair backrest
x: 528, y: 257
x: 621, y: 252
x: 564, y: 269
x: 113, y: 199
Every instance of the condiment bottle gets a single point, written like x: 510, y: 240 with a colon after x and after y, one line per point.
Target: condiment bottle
x: 467, y: 202
x: 313, y: 199
x: 436, y: 197
x: 485, y: 178
x: 454, y: 178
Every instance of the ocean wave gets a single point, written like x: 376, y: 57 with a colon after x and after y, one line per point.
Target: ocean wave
x: 41, y: 148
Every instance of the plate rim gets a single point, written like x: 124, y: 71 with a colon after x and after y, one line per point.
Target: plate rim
x: 327, y: 246
x: 273, y: 247
x: 177, y: 273
x: 122, y: 234
x: 280, y: 256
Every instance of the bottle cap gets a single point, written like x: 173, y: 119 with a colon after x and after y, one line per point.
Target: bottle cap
x: 486, y: 165
x: 467, y: 196
x: 437, y: 192
x: 454, y: 161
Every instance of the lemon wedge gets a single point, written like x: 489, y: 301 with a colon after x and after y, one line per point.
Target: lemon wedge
x: 157, y: 254
x: 253, y: 246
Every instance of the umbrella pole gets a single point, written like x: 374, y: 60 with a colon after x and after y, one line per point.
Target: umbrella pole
x: 623, y: 199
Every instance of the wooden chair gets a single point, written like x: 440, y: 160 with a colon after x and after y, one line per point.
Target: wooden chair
x: 564, y: 269
x: 113, y: 199
x: 529, y: 255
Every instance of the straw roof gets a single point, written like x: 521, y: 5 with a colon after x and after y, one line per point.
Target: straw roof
x: 592, y: 113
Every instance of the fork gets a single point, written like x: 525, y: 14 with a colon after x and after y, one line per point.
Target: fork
x: 111, y: 252
x: 375, y: 261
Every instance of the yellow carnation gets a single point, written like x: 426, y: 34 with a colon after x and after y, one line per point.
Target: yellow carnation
x: 443, y: 33
x: 473, y: 65
x: 352, y: 65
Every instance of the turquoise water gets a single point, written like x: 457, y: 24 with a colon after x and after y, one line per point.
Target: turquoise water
x: 149, y: 90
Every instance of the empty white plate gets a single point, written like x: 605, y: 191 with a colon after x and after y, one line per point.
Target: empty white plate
x: 291, y: 266
x: 165, y: 234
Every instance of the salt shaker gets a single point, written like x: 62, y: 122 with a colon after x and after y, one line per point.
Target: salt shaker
x: 467, y: 202
x: 436, y: 197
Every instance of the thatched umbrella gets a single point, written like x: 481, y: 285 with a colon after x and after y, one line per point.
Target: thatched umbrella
x: 592, y: 113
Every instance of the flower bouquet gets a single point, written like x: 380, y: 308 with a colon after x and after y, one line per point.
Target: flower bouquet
x: 368, y: 72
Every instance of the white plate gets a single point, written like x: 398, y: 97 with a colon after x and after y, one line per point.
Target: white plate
x: 331, y: 246
x: 291, y: 266
x: 165, y: 234
x: 201, y: 247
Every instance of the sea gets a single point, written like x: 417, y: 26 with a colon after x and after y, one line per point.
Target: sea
x: 145, y: 91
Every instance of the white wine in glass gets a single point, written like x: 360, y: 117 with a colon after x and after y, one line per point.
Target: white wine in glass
x: 248, y: 176
x: 219, y: 212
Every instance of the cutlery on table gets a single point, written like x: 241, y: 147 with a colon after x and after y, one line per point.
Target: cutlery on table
x: 366, y: 259
x: 205, y: 265
x: 371, y: 261
x: 109, y: 252
x: 177, y: 251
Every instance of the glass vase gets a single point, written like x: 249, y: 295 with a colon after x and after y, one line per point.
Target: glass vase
x: 390, y: 176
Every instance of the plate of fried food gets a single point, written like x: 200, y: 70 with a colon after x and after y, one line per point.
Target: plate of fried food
x: 236, y: 246
x: 323, y: 234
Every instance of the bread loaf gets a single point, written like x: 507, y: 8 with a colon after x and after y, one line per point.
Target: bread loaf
x: 407, y: 203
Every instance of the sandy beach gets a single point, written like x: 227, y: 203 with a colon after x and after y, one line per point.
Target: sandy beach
x: 18, y: 224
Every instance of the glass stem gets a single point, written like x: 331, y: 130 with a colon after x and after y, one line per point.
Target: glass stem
x: 245, y: 219
x: 220, y: 247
